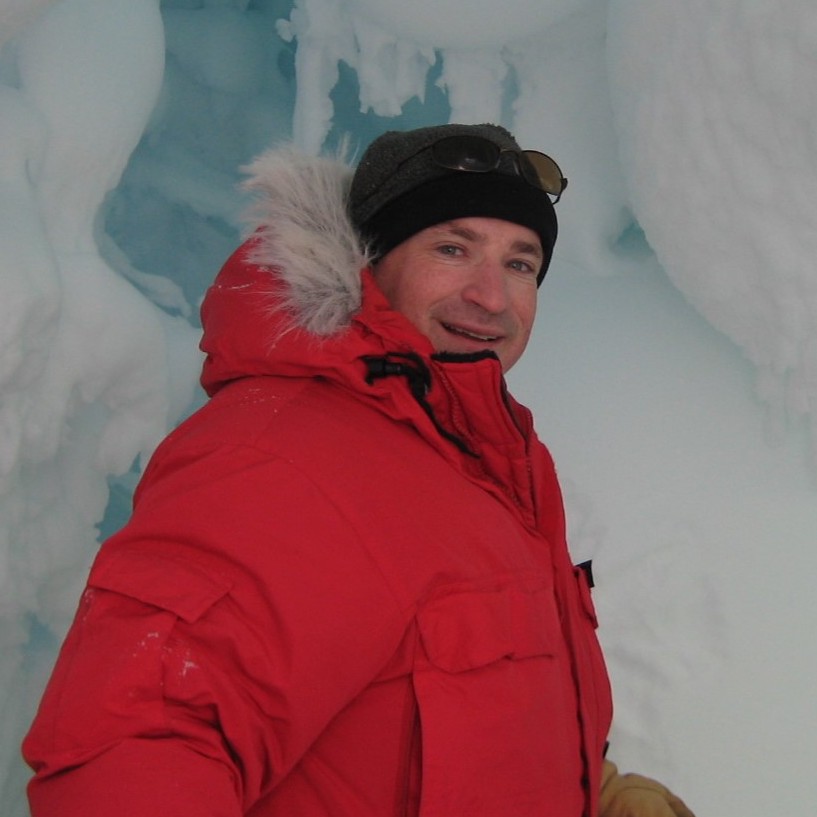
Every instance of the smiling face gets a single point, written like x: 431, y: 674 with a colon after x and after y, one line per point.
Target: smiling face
x: 468, y: 285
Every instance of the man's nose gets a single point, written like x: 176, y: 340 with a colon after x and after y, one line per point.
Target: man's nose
x: 487, y: 286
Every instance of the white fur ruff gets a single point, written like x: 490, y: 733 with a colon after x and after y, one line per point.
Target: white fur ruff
x: 306, y: 236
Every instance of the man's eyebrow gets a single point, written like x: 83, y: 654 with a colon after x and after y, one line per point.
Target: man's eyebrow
x: 463, y: 232
x: 527, y: 247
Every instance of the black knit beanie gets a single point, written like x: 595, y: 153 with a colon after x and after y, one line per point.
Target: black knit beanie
x: 398, y: 190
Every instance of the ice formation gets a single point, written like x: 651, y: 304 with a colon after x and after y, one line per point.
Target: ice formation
x: 686, y: 130
x: 738, y: 92
x: 85, y: 383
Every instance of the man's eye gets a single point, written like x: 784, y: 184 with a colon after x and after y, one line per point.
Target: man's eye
x: 448, y: 249
x: 524, y: 266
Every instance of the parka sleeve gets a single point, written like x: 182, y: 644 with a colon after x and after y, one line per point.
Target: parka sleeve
x: 108, y: 738
x: 219, y: 634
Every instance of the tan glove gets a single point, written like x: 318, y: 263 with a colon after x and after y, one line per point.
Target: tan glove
x: 631, y: 795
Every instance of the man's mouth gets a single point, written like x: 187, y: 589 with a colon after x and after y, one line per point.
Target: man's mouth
x: 467, y: 333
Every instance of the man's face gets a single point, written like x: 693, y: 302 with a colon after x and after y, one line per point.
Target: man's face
x: 467, y: 285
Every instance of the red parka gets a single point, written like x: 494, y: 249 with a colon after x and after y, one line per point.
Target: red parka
x: 344, y: 590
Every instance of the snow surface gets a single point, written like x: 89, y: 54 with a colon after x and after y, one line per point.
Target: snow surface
x: 673, y: 370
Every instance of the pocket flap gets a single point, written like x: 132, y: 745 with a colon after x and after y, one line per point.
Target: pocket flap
x: 164, y: 580
x: 465, y: 629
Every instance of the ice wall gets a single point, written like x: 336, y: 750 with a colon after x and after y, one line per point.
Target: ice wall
x: 688, y: 134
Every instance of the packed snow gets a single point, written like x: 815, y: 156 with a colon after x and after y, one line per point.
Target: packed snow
x: 673, y: 369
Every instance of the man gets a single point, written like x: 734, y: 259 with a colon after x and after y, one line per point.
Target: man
x: 345, y: 588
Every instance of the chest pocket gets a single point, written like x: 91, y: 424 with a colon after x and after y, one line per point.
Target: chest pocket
x: 497, y: 703
x: 465, y: 630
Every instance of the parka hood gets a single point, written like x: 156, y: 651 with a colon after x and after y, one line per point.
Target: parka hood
x: 289, y: 300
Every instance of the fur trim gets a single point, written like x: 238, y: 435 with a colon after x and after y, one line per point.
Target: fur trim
x: 305, y: 234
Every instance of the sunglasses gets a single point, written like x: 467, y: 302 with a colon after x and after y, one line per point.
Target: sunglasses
x: 475, y: 154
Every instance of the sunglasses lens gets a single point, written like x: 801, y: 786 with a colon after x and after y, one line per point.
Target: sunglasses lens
x: 468, y: 153
x: 473, y: 154
x: 540, y: 170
